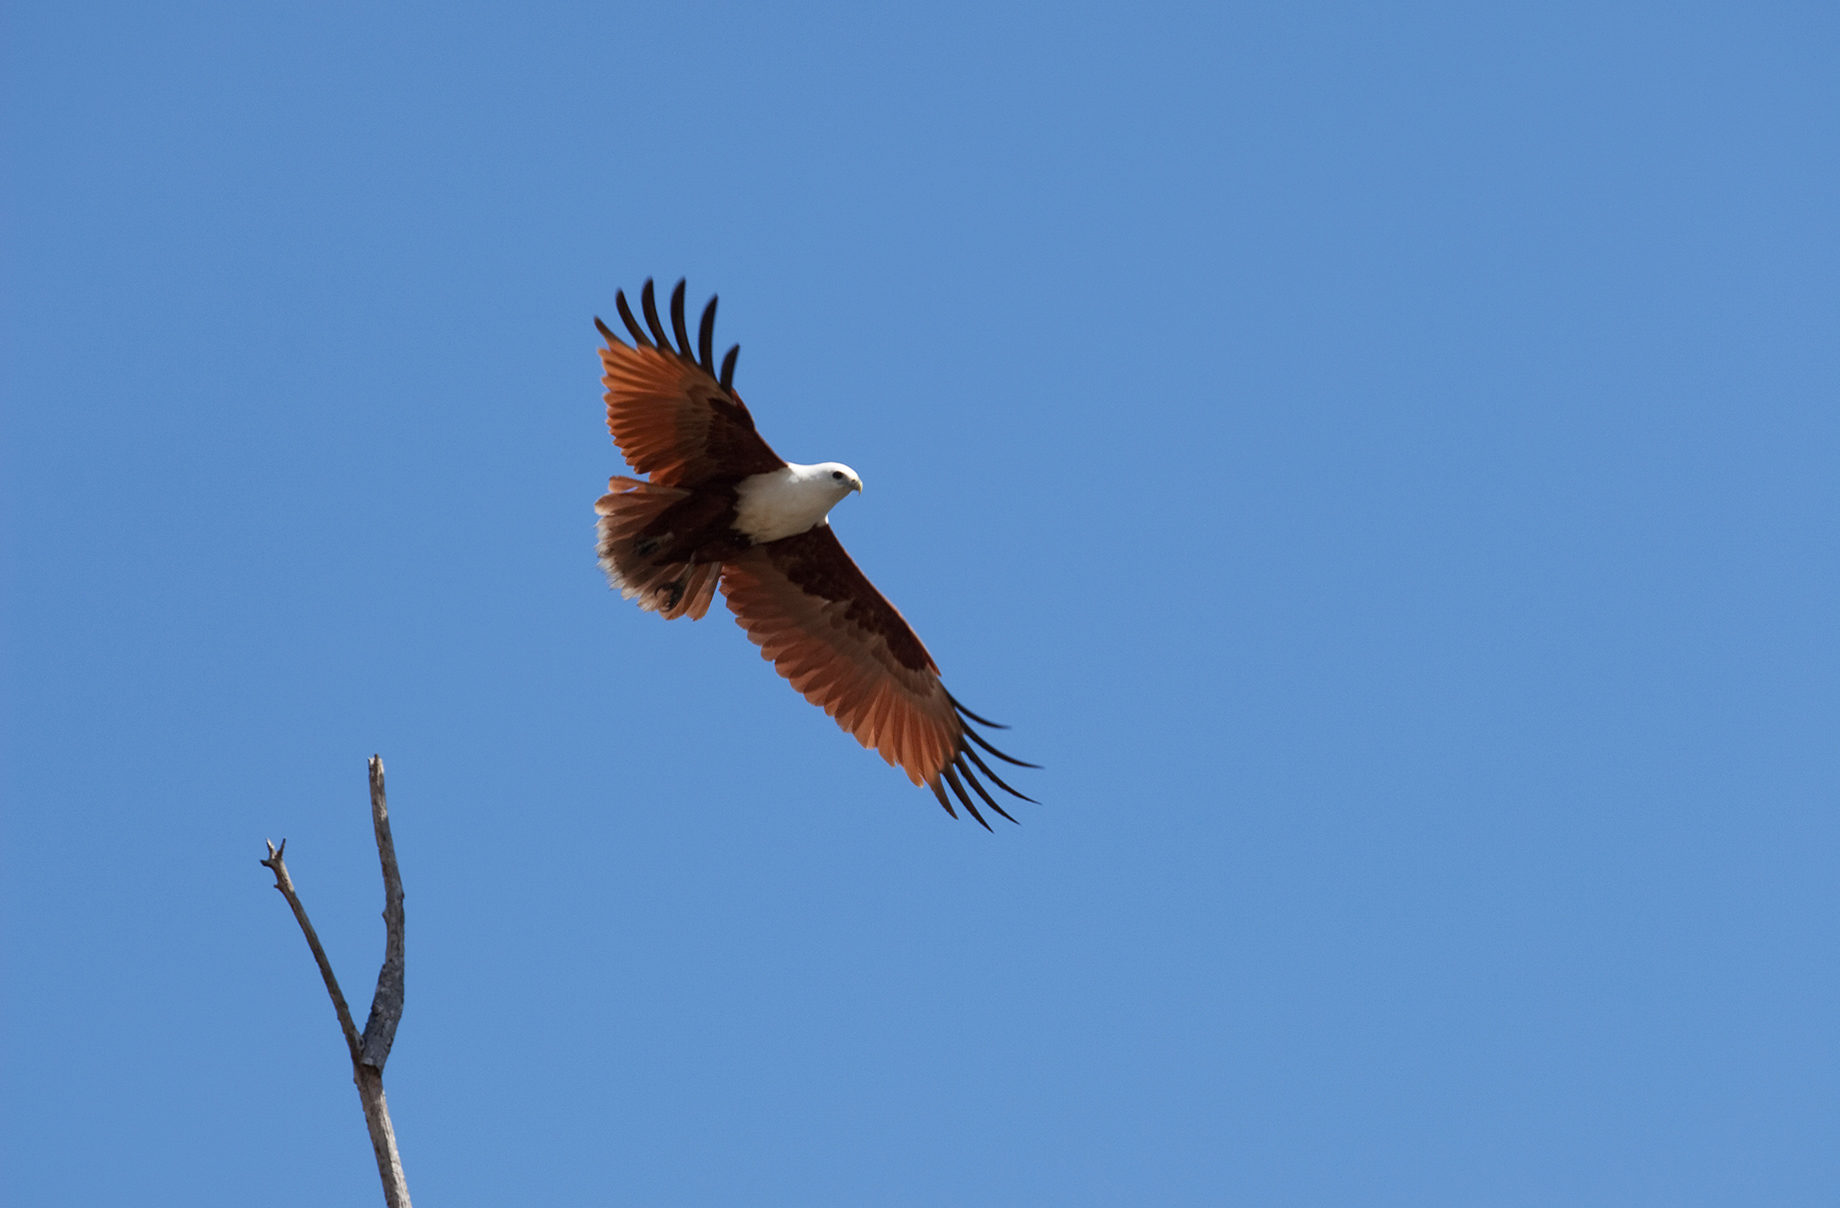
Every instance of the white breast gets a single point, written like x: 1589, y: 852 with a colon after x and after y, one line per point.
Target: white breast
x: 786, y: 502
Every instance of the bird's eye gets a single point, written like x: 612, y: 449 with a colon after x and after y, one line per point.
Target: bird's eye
x: 837, y: 474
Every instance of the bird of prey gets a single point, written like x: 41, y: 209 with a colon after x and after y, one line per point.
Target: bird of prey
x: 720, y: 508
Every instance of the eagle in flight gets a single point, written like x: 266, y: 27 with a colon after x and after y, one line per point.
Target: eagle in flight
x: 721, y: 509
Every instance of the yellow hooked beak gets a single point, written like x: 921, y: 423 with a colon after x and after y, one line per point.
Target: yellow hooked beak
x: 857, y: 484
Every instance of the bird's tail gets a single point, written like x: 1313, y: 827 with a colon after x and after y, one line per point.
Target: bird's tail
x: 670, y: 589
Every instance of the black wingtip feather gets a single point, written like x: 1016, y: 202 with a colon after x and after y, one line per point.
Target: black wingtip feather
x: 979, y: 740
x: 982, y: 721
x: 939, y: 791
x: 728, y: 368
x: 648, y: 301
x: 632, y: 325
x: 677, y: 320
x: 606, y: 332
x: 706, y: 337
x: 981, y: 791
x: 998, y: 780
x: 958, y: 790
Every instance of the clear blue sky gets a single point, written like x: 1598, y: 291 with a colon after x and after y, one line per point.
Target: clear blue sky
x: 1382, y: 460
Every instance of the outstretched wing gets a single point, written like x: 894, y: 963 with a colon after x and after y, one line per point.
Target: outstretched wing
x: 846, y: 648
x: 670, y: 413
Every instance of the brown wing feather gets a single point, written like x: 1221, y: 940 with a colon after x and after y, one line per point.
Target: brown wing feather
x: 674, y: 422
x: 846, y: 648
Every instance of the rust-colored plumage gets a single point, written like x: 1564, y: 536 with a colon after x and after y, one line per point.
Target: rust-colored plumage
x: 669, y: 541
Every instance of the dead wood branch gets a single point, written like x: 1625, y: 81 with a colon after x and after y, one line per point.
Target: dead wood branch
x: 370, y: 1050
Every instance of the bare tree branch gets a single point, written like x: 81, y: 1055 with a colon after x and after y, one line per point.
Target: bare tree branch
x: 383, y: 1135
x: 372, y: 1049
x: 387, y: 1003
x: 285, y: 884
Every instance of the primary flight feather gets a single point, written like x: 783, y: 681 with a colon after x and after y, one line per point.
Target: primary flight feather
x: 719, y: 508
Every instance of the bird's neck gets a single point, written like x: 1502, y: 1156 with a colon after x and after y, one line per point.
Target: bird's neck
x: 783, y: 502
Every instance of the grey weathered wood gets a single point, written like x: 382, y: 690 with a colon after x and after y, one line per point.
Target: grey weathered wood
x: 387, y: 1002
x: 383, y: 1135
x: 370, y: 1050
x: 285, y: 884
